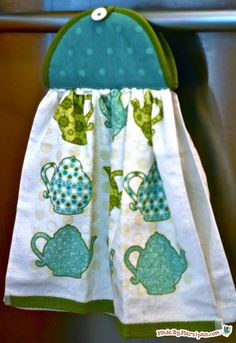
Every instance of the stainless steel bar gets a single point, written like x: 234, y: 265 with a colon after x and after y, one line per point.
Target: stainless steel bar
x: 34, y: 22
x: 169, y: 20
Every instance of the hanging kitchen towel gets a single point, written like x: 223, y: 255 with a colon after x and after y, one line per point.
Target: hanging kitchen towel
x: 113, y: 214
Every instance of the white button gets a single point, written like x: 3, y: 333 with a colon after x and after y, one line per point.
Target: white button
x: 99, y: 14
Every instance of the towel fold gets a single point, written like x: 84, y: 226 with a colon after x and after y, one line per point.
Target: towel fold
x: 114, y: 215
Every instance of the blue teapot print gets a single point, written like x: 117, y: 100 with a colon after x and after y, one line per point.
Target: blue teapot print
x: 159, y: 266
x: 66, y: 253
x: 150, y: 198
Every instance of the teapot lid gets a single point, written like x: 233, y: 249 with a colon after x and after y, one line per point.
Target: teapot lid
x: 110, y: 47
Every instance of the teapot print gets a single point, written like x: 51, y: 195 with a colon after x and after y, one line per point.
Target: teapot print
x: 143, y: 115
x: 115, y: 195
x: 72, y: 119
x: 66, y: 253
x: 69, y: 188
x: 150, y: 198
x: 159, y: 266
x: 111, y: 257
x: 114, y: 111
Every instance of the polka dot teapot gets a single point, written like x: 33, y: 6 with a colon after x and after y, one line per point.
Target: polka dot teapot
x: 69, y: 188
x: 150, y: 198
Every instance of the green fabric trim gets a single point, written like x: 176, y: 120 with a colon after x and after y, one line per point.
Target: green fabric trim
x: 163, y: 51
x: 172, y: 75
x: 62, y: 304
x: 145, y: 330
x: 148, y: 330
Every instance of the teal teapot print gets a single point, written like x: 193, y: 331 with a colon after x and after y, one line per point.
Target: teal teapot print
x: 113, y: 109
x: 159, y: 266
x: 150, y: 198
x: 66, y: 253
x: 69, y: 188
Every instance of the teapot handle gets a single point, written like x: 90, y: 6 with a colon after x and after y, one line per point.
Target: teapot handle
x: 137, y: 248
x: 44, y: 177
x: 40, y: 262
x: 129, y: 190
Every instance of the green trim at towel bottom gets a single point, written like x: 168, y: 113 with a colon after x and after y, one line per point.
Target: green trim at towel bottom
x: 144, y: 330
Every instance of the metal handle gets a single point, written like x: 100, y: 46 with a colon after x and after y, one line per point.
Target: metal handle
x: 170, y: 20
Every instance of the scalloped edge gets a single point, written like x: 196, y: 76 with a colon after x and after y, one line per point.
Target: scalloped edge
x: 162, y: 48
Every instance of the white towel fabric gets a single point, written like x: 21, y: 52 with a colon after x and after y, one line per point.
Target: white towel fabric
x: 114, y: 215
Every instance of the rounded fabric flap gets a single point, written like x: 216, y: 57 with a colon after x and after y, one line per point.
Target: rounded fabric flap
x: 120, y: 50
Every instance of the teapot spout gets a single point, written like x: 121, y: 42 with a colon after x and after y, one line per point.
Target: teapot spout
x: 93, y: 239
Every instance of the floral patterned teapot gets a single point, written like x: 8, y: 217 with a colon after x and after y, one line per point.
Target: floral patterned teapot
x: 66, y: 253
x: 159, y: 267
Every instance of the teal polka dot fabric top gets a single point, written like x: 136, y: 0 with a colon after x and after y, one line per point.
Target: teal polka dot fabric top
x: 121, y: 50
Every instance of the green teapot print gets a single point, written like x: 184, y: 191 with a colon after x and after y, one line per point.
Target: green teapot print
x: 66, y: 253
x: 150, y: 198
x: 143, y: 115
x: 69, y: 188
x: 115, y: 195
x: 159, y: 267
x: 72, y: 120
